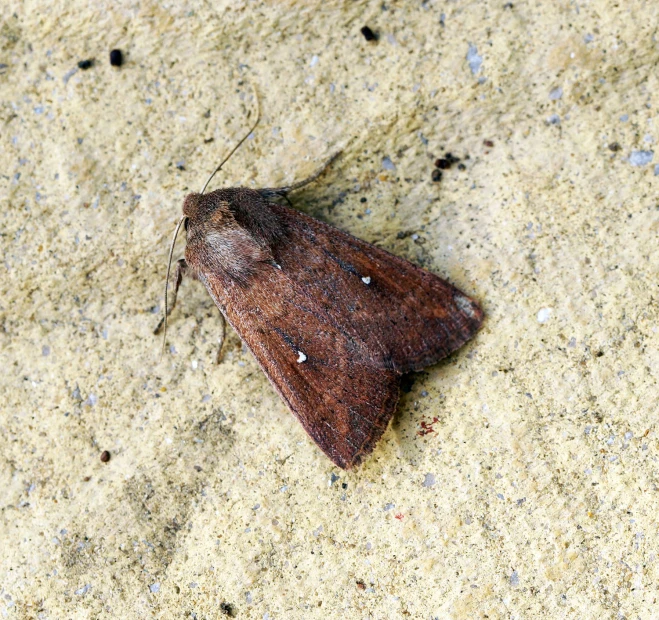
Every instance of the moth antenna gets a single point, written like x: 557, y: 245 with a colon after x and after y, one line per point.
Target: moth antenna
x: 283, y: 191
x: 313, y: 177
x: 235, y: 148
x: 169, y: 265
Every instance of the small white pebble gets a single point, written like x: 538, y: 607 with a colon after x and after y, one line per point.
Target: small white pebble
x: 640, y: 158
x: 301, y: 357
x: 366, y: 280
x: 387, y: 164
x: 544, y: 314
x: 556, y: 93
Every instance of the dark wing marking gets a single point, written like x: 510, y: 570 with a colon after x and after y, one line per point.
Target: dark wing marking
x: 334, y: 322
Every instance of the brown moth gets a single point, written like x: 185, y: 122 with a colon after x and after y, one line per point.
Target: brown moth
x: 333, y: 321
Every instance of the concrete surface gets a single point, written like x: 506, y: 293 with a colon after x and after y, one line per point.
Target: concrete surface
x: 535, y: 495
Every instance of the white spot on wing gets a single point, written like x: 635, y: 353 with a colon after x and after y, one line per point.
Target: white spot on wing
x: 301, y: 357
x: 366, y: 279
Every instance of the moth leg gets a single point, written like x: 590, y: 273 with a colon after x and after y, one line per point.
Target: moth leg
x: 273, y: 192
x: 218, y: 358
x: 181, y: 271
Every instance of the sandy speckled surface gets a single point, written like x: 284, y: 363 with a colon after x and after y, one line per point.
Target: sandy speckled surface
x: 536, y: 494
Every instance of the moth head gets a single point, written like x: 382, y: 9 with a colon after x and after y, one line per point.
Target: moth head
x: 191, y: 206
x: 200, y: 208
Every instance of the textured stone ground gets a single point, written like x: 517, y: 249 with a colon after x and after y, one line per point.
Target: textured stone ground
x: 536, y: 493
